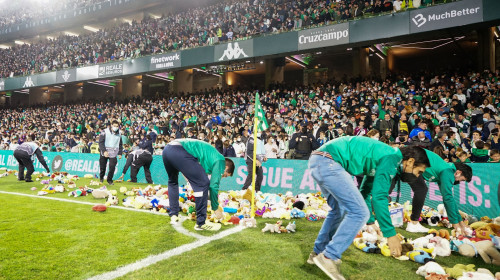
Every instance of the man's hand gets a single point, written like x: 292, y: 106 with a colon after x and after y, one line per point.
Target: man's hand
x: 394, y: 245
x: 219, y: 213
x: 460, y: 229
x: 120, y: 157
x: 258, y: 163
x: 265, y: 159
x: 376, y: 229
x: 106, y: 154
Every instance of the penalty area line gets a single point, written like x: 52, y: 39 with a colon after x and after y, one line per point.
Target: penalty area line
x: 121, y: 271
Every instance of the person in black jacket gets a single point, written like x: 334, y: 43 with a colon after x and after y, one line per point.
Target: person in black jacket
x: 304, y: 143
x: 147, y: 144
x: 136, y: 160
x: 24, y: 155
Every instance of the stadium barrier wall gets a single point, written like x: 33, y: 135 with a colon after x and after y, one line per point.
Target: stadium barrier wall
x: 480, y: 197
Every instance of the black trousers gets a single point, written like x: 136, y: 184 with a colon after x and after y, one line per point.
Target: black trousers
x: 143, y: 160
x: 259, y: 176
x: 103, y: 161
x: 24, y: 160
x: 176, y: 159
x: 419, y: 193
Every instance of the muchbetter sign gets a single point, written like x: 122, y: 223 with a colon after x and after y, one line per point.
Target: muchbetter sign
x: 332, y: 35
x: 165, y: 61
x: 445, y: 16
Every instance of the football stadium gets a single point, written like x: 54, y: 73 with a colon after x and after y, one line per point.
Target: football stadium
x: 250, y: 139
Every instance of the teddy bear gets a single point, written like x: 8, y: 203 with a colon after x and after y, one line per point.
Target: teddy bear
x: 248, y: 222
x: 441, y: 247
x: 291, y: 227
x: 112, y: 200
x: 367, y: 247
x: 484, y: 248
x: 480, y: 274
x: 273, y: 228
x: 430, y: 267
x: 435, y: 276
x: 420, y: 256
x: 100, y: 193
x: 484, y: 232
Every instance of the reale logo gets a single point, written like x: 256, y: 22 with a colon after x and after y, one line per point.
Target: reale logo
x: 57, y: 163
x: 419, y: 20
x: 232, y: 53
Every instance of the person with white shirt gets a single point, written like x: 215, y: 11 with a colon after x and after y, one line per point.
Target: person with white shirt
x: 239, y: 147
x: 271, y: 148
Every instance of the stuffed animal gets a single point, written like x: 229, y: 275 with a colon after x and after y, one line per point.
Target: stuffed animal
x: 297, y: 213
x: 430, y: 267
x: 484, y: 232
x: 441, y: 247
x: 435, y: 276
x: 419, y: 256
x: 291, y: 227
x: 480, y: 274
x: 100, y: 193
x: 312, y: 217
x: 496, y: 221
x: 484, y: 248
x: 495, y: 240
x: 248, y: 222
x: 271, y: 228
x: 367, y: 247
x: 234, y: 220
x: 59, y: 188
x: 459, y: 269
x: 112, y: 200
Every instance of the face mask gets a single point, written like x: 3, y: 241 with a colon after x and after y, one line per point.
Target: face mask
x: 115, y: 129
x: 375, y: 138
x: 479, y: 128
x: 239, y: 139
x: 485, y: 119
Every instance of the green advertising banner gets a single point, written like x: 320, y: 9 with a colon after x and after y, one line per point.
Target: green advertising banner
x: 480, y: 197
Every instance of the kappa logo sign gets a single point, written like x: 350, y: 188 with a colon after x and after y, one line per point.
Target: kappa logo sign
x: 233, y: 53
x: 66, y: 75
x: 28, y: 83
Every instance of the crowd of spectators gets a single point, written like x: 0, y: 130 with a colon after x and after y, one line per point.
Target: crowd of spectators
x: 23, y: 11
x: 455, y: 115
x: 226, y: 21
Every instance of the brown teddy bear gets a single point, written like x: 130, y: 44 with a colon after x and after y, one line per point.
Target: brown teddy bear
x: 484, y: 248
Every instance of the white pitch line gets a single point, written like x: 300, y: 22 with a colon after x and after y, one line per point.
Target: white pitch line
x: 165, y: 255
x: 178, y: 227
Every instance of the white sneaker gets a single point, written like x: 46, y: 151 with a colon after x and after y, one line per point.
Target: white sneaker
x: 174, y: 220
x: 208, y: 226
x: 411, y: 227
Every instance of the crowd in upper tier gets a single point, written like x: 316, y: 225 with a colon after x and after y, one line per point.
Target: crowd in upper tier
x: 226, y: 21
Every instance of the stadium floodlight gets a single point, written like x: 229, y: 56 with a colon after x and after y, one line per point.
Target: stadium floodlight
x: 17, y: 42
x: 90, y: 28
x: 71, y: 34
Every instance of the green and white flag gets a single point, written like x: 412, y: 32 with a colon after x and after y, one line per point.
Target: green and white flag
x: 259, y: 113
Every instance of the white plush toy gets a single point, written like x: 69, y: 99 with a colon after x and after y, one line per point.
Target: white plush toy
x: 429, y: 268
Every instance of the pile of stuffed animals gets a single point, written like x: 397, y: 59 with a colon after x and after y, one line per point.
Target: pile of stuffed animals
x: 483, y: 240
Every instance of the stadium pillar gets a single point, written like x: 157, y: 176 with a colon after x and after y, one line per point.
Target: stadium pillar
x: 131, y: 87
x: 275, y: 71
x: 38, y: 96
x: 183, y: 81
x: 360, y: 61
x: 486, y: 49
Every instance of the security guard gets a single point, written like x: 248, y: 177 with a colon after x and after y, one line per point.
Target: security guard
x: 110, y: 146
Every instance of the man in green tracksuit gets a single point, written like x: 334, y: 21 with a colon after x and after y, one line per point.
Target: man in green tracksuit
x: 332, y: 167
x: 445, y: 175
x: 195, y: 159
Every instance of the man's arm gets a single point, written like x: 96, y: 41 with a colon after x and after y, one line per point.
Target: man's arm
x: 446, y: 180
x: 120, y: 147
x: 39, y: 155
x: 217, y: 173
x: 130, y: 159
x: 102, y: 140
x: 386, y: 170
